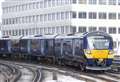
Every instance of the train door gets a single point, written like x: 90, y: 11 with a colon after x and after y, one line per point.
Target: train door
x: 68, y: 48
x: 58, y: 48
x: 15, y: 46
x: 35, y: 46
x: 78, y: 47
x: 24, y: 46
x: 48, y: 45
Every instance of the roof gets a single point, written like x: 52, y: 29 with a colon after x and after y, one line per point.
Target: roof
x: 40, y: 37
x: 11, y: 37
x: 78, y: 35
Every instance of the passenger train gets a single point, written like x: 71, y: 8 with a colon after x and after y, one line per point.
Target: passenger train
x: 89, y: 51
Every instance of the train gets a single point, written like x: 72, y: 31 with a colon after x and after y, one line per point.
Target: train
x: 88, y: 51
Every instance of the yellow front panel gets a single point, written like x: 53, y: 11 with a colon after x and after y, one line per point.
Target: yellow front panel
x: 99, y: 53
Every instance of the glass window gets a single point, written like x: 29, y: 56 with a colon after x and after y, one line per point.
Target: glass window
x: 92, y: 29
x: 112, y: 2
x: 102, y: 2
x: 67, y: 15
x: 118, y: 2
x: 102, y: 15
x: 98, y: 42
x: 115, y: 44
x: 112, y: 15
x: 92, y: 15
x: 92, y: 1
x: 82, y: 29
x: 35, y: 45
x: 119, y: 30
x: 82, y: 1
x: 15, y: 44
x: 74, y: 15
x: 58, y: 16
x: 72, y: 29
x: 74, y: 1
x: 118, y: 15
x: 62, y: 15
x: 82, y: 14
x: 112, y: 30
x: 103, y: 29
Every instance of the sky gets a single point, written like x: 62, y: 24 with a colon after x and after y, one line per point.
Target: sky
x: 1, y: 10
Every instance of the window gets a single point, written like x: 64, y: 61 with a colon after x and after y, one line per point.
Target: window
x: 74, y: 15
x: 118, y: 15
x: 112, y: 2
x: 92, y: 29
x: 92, y: 15
x: 102, y: 29
x: 112, y: 30
x: 102, y: 15
x: 74, y: 1
x: 82, y: 14
x: 67, y: 15
x: 72, y: 29
x: 92, y: 1
x: 118, y: 2
x: 62, y: 15
x: 115, y: 44
x: 119, y: 30
x: 82, y: 29
x: 58, y: 16
x: 112, y: 15
x: 82, y: 1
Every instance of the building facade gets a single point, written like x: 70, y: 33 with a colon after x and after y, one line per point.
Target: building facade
x: 28, y: 17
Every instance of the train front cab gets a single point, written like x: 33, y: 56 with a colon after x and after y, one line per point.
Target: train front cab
x: 98, y: 51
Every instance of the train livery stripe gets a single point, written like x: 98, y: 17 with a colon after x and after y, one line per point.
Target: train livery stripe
x: 103, y: 54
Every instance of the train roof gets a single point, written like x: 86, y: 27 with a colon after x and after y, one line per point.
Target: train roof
x: 11, y: 37
x: 67, y: 36
x: 40, y: 37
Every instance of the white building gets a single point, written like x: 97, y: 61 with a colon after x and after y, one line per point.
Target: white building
x: 25, y: 17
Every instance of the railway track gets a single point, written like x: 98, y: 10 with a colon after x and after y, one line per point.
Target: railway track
x: 9, y: 72
x: 46, y: 73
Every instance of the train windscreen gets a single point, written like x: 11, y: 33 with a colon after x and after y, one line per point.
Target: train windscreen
x: 98, y: 42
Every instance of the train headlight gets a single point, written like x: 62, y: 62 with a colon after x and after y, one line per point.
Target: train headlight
x: 111, y: 52
x: 88, y: 51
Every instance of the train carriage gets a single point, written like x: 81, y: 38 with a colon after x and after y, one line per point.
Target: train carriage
x: 69, y: 49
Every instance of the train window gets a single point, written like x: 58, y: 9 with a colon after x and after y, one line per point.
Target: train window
x: 15, y: 43
x: 3, y: 44
x: 67, y: 47
x: 35, y: 44
x: 78, y: 47
x: 42, y: 47
x: 23, y: 43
